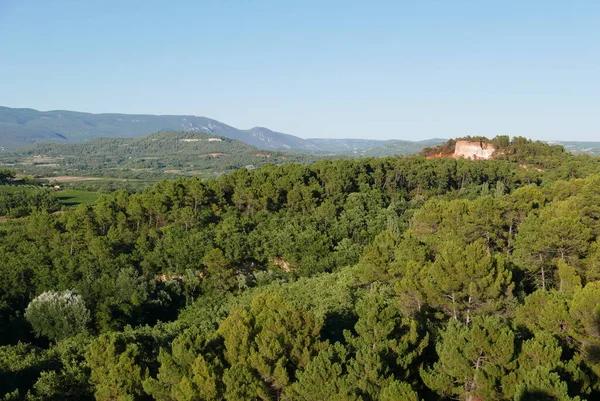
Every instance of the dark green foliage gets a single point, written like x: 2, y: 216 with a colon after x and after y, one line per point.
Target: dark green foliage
x: 20, y: 367
x: 473, y: 359
x: 386, y: 346
x: 7, y: 175
x: 370, y: 279
x: 19, y: 201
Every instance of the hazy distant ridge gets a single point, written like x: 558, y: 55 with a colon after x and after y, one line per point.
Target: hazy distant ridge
x: 23, y: 127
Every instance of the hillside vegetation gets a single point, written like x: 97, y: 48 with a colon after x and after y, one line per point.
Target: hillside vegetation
x: 21, y: 197
x: 186, y: 153
x: 362, y: 279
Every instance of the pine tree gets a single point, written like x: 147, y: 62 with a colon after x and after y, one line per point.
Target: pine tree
x: 473, y: 359
x: 116, y: 373
x: 386, y: 346
x: 266, y: 344
x: 467, y: 281
x: 190, y: 371
x: 324, y: 378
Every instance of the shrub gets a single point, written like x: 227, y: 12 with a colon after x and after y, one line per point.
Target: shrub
x: 58, y: 315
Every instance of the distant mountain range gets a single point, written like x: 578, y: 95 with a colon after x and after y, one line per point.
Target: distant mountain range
x: 23, y: 127
x: 590, y: 148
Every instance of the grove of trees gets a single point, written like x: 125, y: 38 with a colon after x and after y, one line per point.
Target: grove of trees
x: 366, y: 279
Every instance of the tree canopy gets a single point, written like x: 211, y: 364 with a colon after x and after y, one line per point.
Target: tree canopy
x: 365, y: 279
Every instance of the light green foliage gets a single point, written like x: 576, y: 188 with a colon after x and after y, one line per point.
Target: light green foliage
x: 591, y: 265
x: 190, y: 371
x: 398, y: 391
x: 376, y: 262
x: 324, y: 378
x: 266, y: 344
x: 552, y: 315
x: 412, y: 261
x: 362, y: 217
x: 568, y: 278
x: 545, y: 311
x: 117, y: 367
x: 540, y: 384
x: 460, y: 221
x: 585, y: 308
x: 585, y: 311
x: 58, y: 315
x: 207, y: 312
x: 334, y: 303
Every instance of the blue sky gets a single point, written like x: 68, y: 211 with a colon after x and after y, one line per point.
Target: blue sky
x: 371, y: 69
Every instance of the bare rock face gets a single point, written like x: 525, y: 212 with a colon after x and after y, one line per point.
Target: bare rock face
x: 473, y: 150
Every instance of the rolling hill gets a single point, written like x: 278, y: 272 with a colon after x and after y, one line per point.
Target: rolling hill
x: 187, y: 153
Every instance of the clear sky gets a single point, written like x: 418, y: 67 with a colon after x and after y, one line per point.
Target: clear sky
x: 373, y: 69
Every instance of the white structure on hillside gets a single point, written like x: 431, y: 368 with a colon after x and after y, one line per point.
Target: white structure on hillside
x: 473, y: 150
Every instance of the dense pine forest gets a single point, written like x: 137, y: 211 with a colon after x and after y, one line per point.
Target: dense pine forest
x: 407, y: 278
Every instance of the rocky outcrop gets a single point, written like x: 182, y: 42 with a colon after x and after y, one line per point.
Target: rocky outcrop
x: 473, y: 150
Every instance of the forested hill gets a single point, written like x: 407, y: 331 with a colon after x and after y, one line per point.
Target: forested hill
x: 187, y: 153
x: 520, y: 150
x: 356, y: 279
x: 157, y: 144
